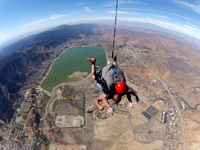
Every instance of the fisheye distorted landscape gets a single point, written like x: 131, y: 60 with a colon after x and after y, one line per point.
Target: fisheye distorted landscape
x: 49, y: 90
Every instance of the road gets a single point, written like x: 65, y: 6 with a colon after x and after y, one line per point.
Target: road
x: 173, y: 100
x: 54, y: 93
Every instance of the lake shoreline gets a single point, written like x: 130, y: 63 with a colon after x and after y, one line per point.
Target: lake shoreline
x: 73, y: 80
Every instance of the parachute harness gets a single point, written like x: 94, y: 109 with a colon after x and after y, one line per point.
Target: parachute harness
x: 115, y: 29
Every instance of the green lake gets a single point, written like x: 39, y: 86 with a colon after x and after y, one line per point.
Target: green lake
x: 73, y: 59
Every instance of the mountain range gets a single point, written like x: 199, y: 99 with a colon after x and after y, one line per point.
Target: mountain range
x: 20, y: 62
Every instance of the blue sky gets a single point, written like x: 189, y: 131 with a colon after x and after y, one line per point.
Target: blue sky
x: 18, y: 17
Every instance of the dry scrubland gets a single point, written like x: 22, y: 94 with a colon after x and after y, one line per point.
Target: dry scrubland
x: 174, y: 60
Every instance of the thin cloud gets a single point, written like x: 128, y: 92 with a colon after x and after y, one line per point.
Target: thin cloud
x: 35, y: 22
x: 121, y: 12
x: 163, y: 24
x: 160, y: 16
x: 194, y: 25
x: 191, y: 6
x: 58, y: 16
x: 132, y: 2
x: 51, y: 17
x: 192, y: 28
x: 166, y: 25
x: 2, y: 39
x: 113, y: 3
x: 164, y: 13
x: 86, y: 8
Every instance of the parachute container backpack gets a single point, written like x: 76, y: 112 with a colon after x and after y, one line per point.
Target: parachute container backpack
x: 113, y: 74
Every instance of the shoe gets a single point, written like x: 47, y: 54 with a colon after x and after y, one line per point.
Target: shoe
x: 92, y: 60
x: 115, y: 58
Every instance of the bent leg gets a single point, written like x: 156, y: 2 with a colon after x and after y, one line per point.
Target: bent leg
x: 93, y: 70
x: 115, y: 60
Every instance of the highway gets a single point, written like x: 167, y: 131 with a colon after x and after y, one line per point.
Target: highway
x: 172, y: 98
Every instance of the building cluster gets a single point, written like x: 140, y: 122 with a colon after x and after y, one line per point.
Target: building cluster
x: 25, y: 107
x: 12, y: 137
x: 181, y: 104
x: 164, y: 89
x: 151, y: 111
x: 172, y: 114
x: 146, y: 114
x: 150, y: 132
x: 164, y: 117
x: 20, y: 145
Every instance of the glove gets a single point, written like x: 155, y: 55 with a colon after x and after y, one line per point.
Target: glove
x: 131, y: 104
x: 110, y: 111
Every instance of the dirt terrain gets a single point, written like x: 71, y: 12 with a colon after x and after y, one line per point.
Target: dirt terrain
x: 192, y: 128
x: 78, y: 74
x: 98, y: 131
x: 174, y: 60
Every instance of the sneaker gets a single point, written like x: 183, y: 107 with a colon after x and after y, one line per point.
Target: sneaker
x: 115, y: 58
x: 92, y: 60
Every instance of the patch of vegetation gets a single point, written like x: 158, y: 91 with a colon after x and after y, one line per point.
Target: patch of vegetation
x: 46, y: 97
x: 98, y: 114
x: 121, y: 46
x: 74, y: 79
x: 23, y: 121
x: 150, y: 131
x: 121, y: 111
x: 99, y: 45
x: 104, y: 117
x: 44, y: 101
x: 82, y: 125
x: 85, y: 76
x: 144, y: 47
x: 60, y: 102
x: 25, y: 117
x: 135, y: 46
x: 61, y: 88
x: 132, y: 90
x: 44, y: 140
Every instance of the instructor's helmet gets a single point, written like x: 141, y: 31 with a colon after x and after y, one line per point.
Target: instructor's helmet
x: 121, y: 88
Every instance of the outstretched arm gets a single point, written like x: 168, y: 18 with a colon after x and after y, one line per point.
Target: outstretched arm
x: 110, y: 109
x: 106, y: 101
x: 97, y: 103
x: 129, y: 96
